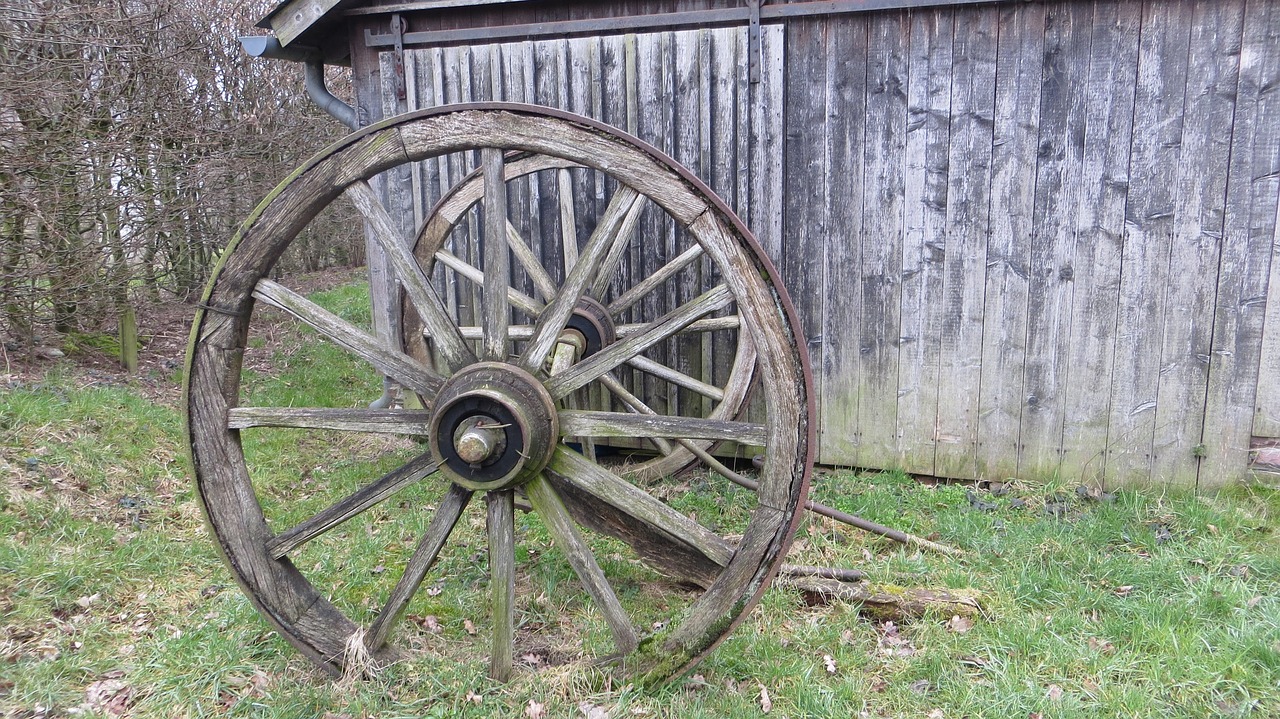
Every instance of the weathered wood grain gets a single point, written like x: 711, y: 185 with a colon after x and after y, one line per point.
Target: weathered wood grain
x: 1213, y: 64
x: 1108, y: 125
x: 926, y: 184
x: 497, y: 257
x: 502, y: 581
x: 1021, y: 56
x: 1243, y: 395
x: 1149, y: 223
x: 644, y: 364
x: 388, y: 421
x: 874, y: 289
x: 968, y: 223
x: 1050, y: 282
x: 583, y: 423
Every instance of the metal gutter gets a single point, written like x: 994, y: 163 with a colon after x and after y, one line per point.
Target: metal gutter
x: 265, y: 46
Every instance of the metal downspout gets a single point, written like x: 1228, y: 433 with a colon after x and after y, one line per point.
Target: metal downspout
x: 313, y: 79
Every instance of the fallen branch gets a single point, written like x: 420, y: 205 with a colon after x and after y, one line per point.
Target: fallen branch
x: 882, y: 601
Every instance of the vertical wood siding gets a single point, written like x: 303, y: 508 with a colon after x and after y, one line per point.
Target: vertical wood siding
x: 1025, y: 239
x: 1048, y: 232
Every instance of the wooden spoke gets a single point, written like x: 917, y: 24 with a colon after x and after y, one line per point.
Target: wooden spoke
x: 551, y: 509
x: 633, y: 403
x: 652, y: 282
x: 424, y: 556
x: 623, y: 350
x: 568, y: 223
x: 584, y: 423
x: 435, y: 318
x: 515, y: 332
x: 515, y: 297
x: 620, y: 243
x: 497, y: 261
x: 403, y: 369
x: 553, y: 319
x: 502, y: 580
x: 542, y: 282
x: 676, y: 377
x: 710, y: 324
x: 364, y: 498
x: 572, y: 470
x: 383, y: 421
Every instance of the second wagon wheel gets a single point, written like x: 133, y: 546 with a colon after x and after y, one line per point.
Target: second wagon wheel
x: 495, y: 410
x: 614, y: 306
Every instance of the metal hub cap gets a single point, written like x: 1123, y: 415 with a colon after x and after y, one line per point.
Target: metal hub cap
x: 493, y: 427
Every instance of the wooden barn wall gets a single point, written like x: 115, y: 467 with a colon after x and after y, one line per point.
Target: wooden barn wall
x: 1025, y: 239
x: 1048, y: 231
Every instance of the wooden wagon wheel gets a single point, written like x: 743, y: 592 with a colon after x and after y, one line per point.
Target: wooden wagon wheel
x: 495, y: 418
x: 606, y: 320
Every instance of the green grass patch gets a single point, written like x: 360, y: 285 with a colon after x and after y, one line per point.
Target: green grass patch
x: 1150, y: 605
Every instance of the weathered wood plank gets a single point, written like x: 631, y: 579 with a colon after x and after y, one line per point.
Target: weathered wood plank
x: 386, y: 421
x: 497, y: 257
x: 644, y: 364
x: 1104, y: 178
x: 1021, y: 56
x: 1149, y: 223
x: 875, y: 291
x: 1201, y: 178
x: 926, y: 185
x: 1246, y: 333
x: 346, y: 508
x: 968, y: 222
x: 1067, y: 36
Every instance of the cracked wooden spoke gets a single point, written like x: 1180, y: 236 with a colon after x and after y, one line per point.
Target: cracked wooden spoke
x: 633, y: 403
x: 652, y: 282
x: 383, y: 421
x: 542, y: 281
x: 551, y: 509
x: 585, y: 423
x: 553, y: 319
x: 710, y: 324
x: 497, y: 260
x: 352, y: 505
x: 402, y: 368
x: 515, y: 332
x: 435, y: 318
x: 502, y: 581
x: 622, y: 239
x: 515, y: 297
x: 433, y: 539
x: 623, y: 350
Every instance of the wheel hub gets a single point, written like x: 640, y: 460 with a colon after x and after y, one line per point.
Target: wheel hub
x: 493, y: 427
x: 591, y: 319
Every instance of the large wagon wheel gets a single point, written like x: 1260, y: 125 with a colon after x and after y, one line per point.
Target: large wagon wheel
x: 602, y: 318
x: 495, y: 418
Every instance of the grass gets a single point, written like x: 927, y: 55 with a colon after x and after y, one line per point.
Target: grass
x: 1151, y: 605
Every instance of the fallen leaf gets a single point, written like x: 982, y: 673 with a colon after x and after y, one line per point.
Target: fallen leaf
x: 531, y: 658
x: 766, y: 704
x: 935, y: 714
x: 474, y: 698
x: 1091, y: 687
x: 335, y: 715
x: 829, y: 663
x: 697, y: 682
x: 535, y: 710
x: 974, y: 661
x: 921, y: 686
x: 593, y: 711
x: 959, y: 624
x: 1252, y: 602
x: 1054, y: 693
x: 84, y: 602
x: 431, y: 623
x: 879, y: 684
x: 108, y: 696
x: 1123, y: 591
x: 1103, y: 646
x: 469, y: 626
